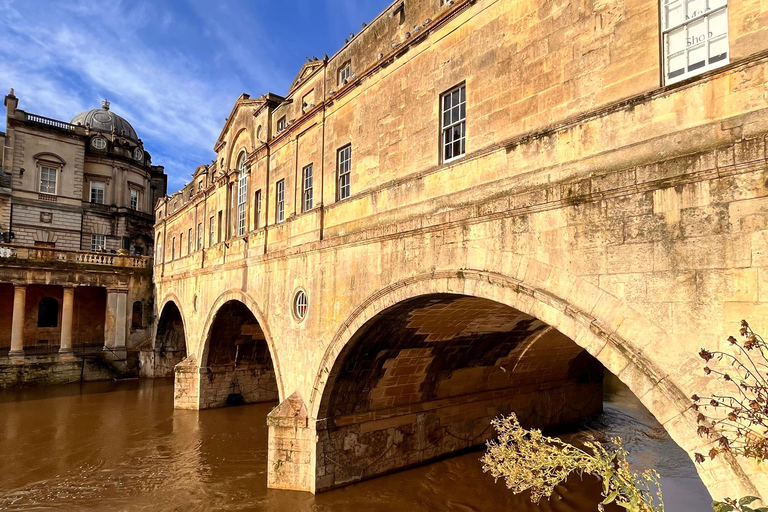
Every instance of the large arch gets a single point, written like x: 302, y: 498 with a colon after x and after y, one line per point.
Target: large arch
x: 171, y: 344
x: 235, y: 362
x: 622, y: 340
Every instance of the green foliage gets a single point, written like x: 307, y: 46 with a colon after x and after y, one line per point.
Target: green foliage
x: 528, y: 460
x: 742, y: 505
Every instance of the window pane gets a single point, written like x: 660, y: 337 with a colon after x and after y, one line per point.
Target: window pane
x: 676, y: 41
x: 697, y: 57
x: 696, y: 8
x: 697, y: 32
x: 718, y: 50
x: 676, y: 66
x: 455, y: 114
x: 718, y: 23
x: 675, y: 15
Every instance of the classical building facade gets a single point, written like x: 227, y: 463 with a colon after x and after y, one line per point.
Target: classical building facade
x: 476, y: 206
x: 76, y: 231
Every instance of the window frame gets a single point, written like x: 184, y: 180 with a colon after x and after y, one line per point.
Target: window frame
x: 173, y: 248
x: 340, y: 195
x: 134, y: 194
x: 344, y: 73
x: 667, y: 29
x: 445, y: 129
x: 211, y: 229
x: 280, y: 201
x: 199, y: 235
x: 307, y: 179
x: 257, y: 199
x: 242, y: 194
x: 55, y: 170
x: 94, y: 238
x: 93, y: 188
x: 281, y: 124
x: 189, y: 241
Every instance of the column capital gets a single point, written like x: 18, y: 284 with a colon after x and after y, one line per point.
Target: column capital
x: 117, y: 290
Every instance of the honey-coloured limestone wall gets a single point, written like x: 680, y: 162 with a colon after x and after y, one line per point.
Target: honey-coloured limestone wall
x: 626, y: 217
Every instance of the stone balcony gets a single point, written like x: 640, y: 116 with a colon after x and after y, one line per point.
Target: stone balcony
x: 17, y: 254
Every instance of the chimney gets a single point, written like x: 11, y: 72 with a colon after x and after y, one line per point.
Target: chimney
x: 11, y: 102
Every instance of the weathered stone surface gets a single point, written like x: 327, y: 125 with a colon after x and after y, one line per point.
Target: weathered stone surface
x: 625, y: 216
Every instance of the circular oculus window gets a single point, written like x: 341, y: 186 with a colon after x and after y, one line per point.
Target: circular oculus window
x: 138, y: 154
x: 99, y: 143
x: 300, y: 304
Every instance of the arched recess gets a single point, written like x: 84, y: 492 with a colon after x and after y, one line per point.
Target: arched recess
x: 237, y: 357
x: 584, y: 316
x: 242, y: 141
x: 170, y: 346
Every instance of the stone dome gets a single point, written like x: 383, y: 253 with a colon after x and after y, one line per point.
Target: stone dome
x: 103, y: 120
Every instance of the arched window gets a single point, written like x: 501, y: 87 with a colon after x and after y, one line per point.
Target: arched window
x: 137, y: 320
x: 48, y: 313
x: 242, y: 193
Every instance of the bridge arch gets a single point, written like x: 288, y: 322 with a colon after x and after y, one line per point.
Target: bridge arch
x: 171, y: 298
x: 250, y: 351
x: 622, y: 340
x: 170, y: 343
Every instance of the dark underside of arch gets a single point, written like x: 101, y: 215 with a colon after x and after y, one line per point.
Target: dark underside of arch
x: 239, y: 366
x: 170, y: 342
x: 425, y: 377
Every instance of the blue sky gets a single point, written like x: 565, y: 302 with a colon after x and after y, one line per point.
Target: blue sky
x: 172, y: 68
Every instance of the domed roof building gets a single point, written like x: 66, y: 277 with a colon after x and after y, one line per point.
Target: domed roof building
x: 104, y: 120
x: 76, y: 211
x: 96, y: 166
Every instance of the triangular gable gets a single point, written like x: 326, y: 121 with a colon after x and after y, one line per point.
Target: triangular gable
x: 243, y: 101
x: 307, y: 70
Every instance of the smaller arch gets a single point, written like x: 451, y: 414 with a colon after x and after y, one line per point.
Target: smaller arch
x: 170, y: 341
x: 238, y: 295
x: 241, y: 141
x: 48, y: 312
x: 172, y: 298
x: 241, y: 158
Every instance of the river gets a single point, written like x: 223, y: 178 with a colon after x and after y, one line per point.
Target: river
x: 121, y: 446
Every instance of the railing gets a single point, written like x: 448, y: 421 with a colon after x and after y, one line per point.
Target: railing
x: 50, y: 122
x: 17, y: 252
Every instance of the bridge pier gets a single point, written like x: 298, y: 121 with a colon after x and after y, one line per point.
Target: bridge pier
x: 215, y: 386
x: 292, y: 446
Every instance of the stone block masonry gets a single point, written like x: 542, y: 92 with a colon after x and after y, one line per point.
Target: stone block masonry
x: 596, y: 217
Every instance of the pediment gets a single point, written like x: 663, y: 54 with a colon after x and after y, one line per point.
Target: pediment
x: 307, y: 70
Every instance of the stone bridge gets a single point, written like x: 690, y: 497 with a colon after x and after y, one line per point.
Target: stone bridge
x: 618, y: 234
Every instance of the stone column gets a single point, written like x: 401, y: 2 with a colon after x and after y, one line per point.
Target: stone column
x: 67, y: 309
x: 17, y: 325
x: 115, y: 323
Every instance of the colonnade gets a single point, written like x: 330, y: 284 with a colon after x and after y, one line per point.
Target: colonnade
x: 115, y: 325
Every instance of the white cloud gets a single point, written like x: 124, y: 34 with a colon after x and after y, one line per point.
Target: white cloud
x: 104, y: 50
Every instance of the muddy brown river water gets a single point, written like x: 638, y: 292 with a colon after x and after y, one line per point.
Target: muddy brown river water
x: 121, y: 446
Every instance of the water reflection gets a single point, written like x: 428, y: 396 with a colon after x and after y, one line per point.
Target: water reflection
x: 120, y: 446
